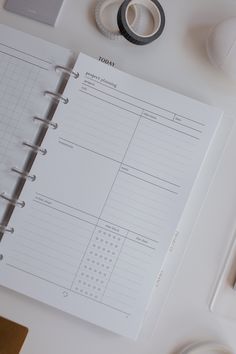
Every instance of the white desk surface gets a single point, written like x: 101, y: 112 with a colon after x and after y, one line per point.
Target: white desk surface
x: 177, y: 61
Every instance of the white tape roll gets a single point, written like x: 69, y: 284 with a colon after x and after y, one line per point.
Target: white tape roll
x: 207, y: 348
x: 101, y: 6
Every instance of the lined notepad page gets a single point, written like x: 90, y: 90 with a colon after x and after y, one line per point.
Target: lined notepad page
x: 109, y: 194
x: 26, y: 70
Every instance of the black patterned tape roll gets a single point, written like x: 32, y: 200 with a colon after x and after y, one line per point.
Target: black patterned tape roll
x: 130, y: 34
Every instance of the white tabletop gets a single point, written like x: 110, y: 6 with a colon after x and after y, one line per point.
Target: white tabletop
x: 176, y: 61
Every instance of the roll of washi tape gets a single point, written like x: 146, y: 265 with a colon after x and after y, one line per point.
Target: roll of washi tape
x: 129, y: 33
x: 207, y: 348
x: 100, y: 8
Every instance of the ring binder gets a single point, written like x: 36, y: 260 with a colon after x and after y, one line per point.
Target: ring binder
x: 47, y: 122
x: 56, y: 96
x: 35, y: 148
x: 68, y: 71
x: 4, y: 229
x: 12, y: 201
x: 24, y: 174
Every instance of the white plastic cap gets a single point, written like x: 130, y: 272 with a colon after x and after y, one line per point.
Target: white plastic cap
x: 221, y: 46
x: 207, y: 348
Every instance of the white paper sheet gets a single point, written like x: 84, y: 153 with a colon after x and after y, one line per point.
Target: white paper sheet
x: 109, y: 194
x: 27, y: 68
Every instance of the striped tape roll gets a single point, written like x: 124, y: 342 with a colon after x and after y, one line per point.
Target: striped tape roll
x: 126, y: 29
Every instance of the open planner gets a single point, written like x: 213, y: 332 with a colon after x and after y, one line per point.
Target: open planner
x: 92, y: 191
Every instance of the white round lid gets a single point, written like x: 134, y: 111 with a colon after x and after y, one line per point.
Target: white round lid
x: 207, y: 348
x: 221, y: 46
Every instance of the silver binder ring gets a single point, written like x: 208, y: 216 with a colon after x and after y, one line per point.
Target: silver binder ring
x: 35, y: 148
x: 24, y: 174
x: 12, y: 201
x: 47, y: 122
x: 4, y: 229
x: 68, y: 71
x: 56, y: 96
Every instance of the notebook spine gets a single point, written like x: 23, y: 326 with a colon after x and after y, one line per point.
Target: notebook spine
x: 34, y: 148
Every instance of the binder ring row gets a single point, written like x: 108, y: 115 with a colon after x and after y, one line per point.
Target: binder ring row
x: 56, y: 96
x: 68, y: 71
x: 47, y: 122
x: 24, y: 174
x: 4, y: 229
x: 12, y: 201
x: 35, y: 148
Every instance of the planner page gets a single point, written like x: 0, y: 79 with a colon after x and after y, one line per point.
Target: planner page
x: 101, y: 215
x: 27, y: 68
